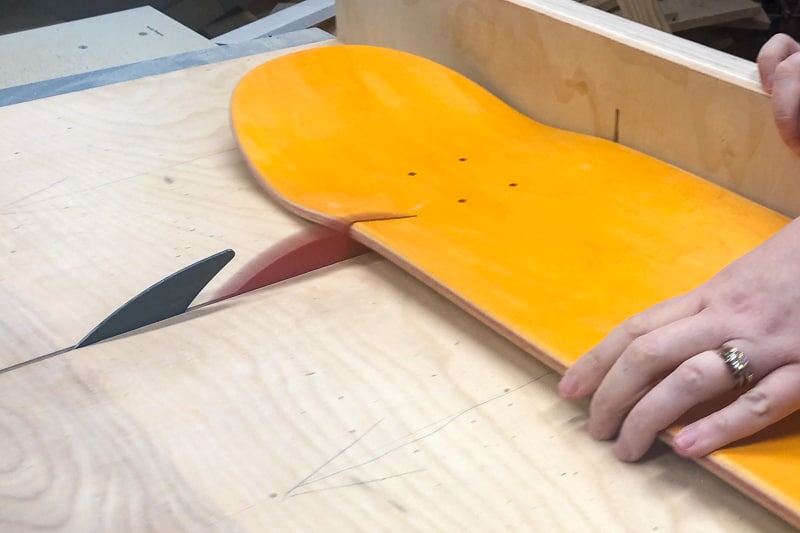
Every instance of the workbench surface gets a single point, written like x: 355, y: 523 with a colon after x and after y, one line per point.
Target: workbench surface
x: 352, y: 398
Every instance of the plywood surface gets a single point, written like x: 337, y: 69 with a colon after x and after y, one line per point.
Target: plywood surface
x: 574, y: 67
x: 694, y: 14
x: 107, y: 191
x: 648, y: 12
x: 354, y: 399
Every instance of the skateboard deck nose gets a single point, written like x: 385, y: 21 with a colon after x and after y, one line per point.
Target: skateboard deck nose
x: 378, y: 124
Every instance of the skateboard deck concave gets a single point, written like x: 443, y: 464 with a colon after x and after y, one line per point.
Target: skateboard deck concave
x: 550, y: 237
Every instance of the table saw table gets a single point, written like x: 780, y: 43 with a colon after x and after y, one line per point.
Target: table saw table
x: 352, y: 398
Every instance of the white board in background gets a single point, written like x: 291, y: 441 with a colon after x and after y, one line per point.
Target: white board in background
x: 94, y: 43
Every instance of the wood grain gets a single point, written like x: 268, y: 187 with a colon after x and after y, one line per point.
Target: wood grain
x: 646, y: 12
x: 578, y: 68
x: 354, y: 399
x: 109, y: 190
x: 681, y: 15
x: 691, y: 14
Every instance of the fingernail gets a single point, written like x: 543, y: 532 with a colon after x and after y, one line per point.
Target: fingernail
x: 568, y: 386
x: 684, y: 440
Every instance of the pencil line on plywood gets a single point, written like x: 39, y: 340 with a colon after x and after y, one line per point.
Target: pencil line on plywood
x: 304, y: 481
x: 399, y: 443
x: 358, y: 482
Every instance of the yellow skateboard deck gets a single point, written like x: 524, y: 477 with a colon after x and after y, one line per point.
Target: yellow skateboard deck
x: 550, y: 237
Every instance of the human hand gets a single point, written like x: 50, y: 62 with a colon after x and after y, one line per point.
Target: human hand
x: 660, y: 363
x: 779, y: 69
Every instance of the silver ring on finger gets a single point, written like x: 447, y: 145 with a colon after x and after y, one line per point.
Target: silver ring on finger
x: 738, y: 364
